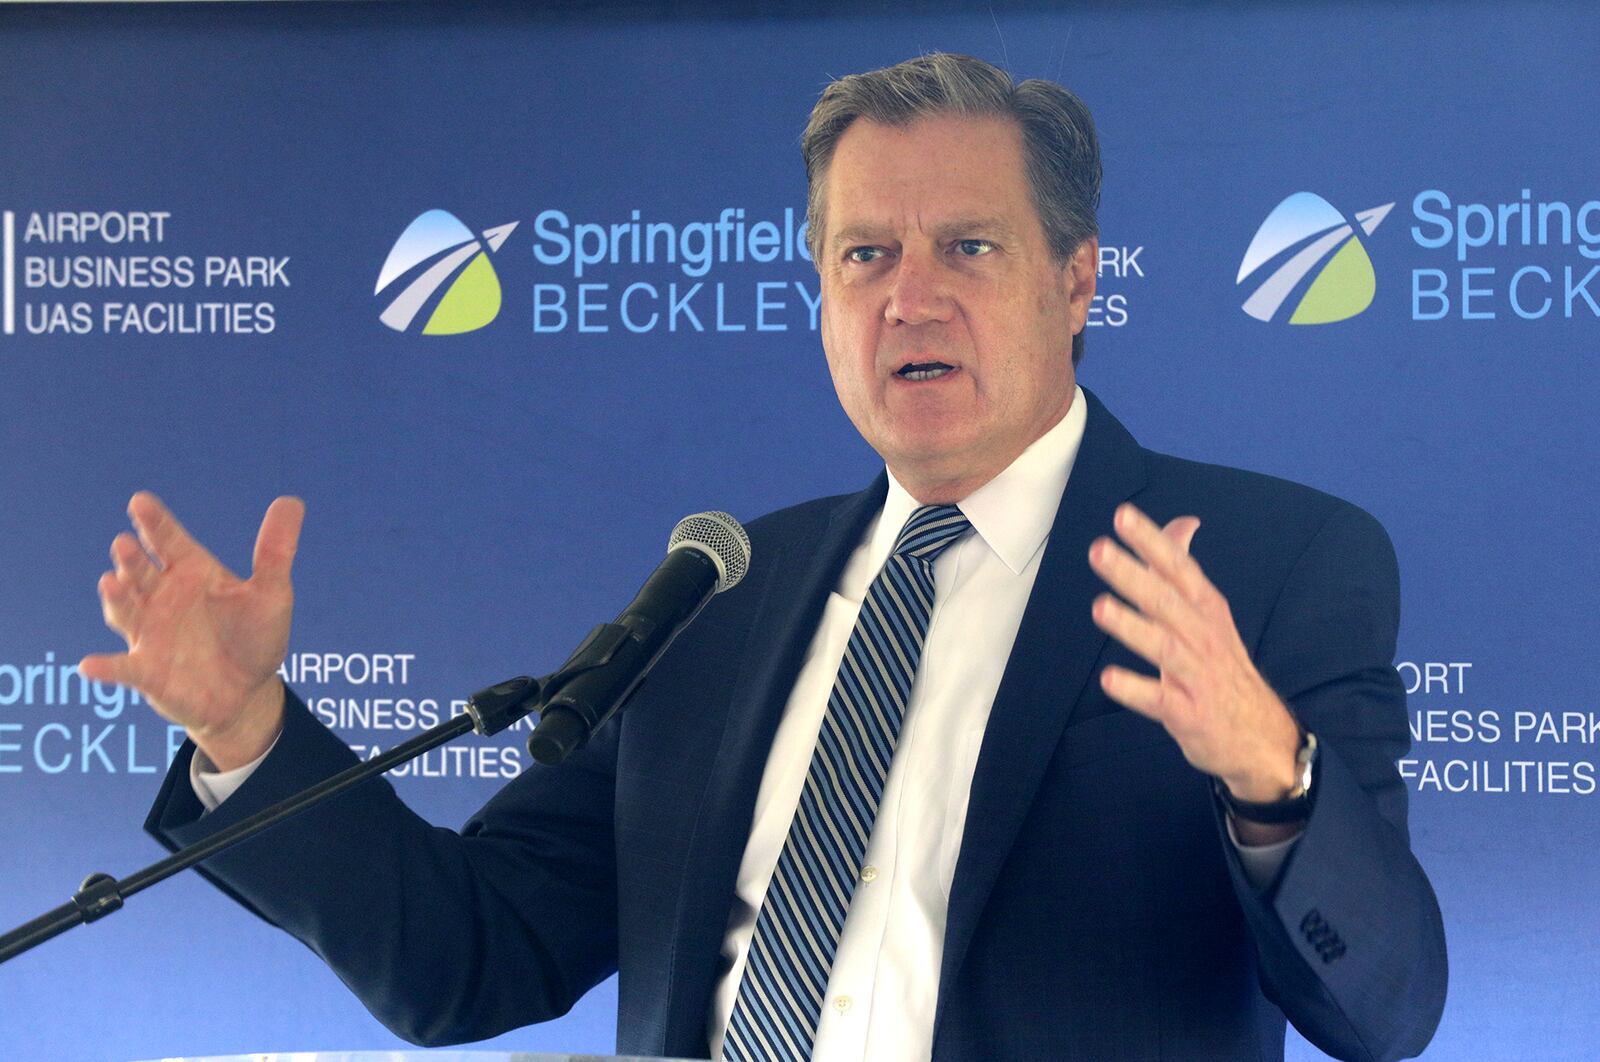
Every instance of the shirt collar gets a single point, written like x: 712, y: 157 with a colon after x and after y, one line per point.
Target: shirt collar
x: 1014, y: 511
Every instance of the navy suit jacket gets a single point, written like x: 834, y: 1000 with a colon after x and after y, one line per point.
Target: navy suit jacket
x: 1098, y: 909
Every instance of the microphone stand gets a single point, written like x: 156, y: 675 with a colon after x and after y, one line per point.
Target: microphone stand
x: 629, y: 649
x: 488, y: 712
x: 558, y: 734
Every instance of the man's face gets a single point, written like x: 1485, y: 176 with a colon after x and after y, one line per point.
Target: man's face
x: 947, y: 323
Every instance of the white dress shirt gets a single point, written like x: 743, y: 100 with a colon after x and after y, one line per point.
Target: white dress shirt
x: 884, y: 981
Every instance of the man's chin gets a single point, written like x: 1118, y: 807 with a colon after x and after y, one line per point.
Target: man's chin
x: 935, y: 457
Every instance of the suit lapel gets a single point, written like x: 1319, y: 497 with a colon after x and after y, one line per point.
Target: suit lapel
x: 812, y: 552
x: 1050, y: 666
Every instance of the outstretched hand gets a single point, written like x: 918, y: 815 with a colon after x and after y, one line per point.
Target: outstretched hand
x: 1209, y: 695
x: 203, y: 645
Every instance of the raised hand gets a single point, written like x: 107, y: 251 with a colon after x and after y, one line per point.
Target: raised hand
x: 1209, y: 695
x: 203, y: 645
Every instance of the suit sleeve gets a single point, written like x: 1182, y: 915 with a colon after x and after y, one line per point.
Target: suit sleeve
x: 1349, y: 937
x: 445, y: 936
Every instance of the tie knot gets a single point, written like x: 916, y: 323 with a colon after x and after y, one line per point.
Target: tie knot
x: 930, y: 530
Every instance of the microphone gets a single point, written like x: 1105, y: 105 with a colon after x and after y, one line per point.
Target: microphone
x: 707, y: 553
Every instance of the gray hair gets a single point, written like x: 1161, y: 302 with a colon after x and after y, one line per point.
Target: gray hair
x: 1058, y: 139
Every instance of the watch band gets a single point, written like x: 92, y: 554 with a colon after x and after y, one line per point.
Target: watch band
x: 1295, y: 807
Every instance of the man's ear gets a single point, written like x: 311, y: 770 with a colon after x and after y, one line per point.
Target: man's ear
x: 1078, y: 279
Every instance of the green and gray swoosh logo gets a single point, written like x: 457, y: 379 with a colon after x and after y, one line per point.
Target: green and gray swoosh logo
x: 1306, y: 236
x: 451, y: 252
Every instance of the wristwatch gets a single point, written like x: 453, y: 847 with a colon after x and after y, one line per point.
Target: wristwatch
x: 1296, y: 806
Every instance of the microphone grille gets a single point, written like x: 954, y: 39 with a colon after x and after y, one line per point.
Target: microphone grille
x: 719, y: 537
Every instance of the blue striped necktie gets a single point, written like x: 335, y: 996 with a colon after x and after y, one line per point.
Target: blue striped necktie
x: 797, y: 932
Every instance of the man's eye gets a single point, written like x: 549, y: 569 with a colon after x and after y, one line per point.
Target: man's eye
x: 973, y: 248
x: 864, y: 254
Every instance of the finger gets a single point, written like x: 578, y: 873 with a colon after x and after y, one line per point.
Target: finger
x: 1150, y: 591
x: 278, y: 539
x: 159, y: 530
x: 1180, y: 530
x: 133, y: 564
x: 119, y: 604
x: 118, y: 668
x: 1141, y: 693
x: 1159, y: 551
x: 1157, y: 645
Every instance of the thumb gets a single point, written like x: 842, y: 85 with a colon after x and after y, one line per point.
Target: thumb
x: 1181, y: 531
x: 116, y: 668
x: 278, y: 539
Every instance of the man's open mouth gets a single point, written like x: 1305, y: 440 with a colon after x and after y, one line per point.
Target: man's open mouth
x: 924, y: 370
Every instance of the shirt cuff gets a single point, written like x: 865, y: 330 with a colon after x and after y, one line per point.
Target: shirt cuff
x: 211, y: 786
x: 1261, y: 862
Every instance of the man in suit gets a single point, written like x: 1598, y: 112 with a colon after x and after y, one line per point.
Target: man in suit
x: 1156, y: 844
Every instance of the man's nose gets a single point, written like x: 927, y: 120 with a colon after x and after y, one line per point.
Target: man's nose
x: 919, y: 293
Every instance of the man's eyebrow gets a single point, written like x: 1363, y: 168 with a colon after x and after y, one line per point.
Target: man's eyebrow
x: 862, y: 233
x: 975, y: 226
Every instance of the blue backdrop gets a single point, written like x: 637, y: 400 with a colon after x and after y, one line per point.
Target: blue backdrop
x: 198, y: 203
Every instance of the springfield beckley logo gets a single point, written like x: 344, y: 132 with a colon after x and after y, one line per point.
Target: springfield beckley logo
x: 1321, y: 240
x: 472, y: 298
